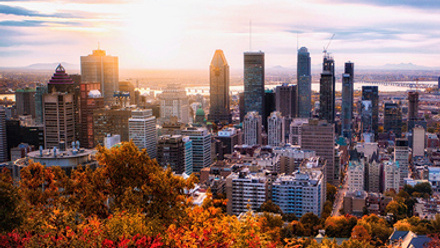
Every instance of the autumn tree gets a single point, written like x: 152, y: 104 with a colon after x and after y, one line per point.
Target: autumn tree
x: 340, y: 226
x: 360, y: 233
x: 311, y: 224
x: 398, y: 209
x: 11, y: 207
x: 269, y: 206
x: 377, y: 228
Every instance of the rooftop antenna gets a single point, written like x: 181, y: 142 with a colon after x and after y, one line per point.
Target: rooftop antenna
x: 250, y: 35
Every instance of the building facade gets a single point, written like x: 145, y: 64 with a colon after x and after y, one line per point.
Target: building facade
x: 401, y: 156
x: 254, y: 82
x: 347, y: 100
x: 252, y: 128
x: 304, y: 79
x: 3, y: 140
x: 90, y: 99
x: 371, y: 93
x: 286, y: 100
x: 275, y: 130
x: 174, y: 103
x: 201, y: 146
x: 25, y: 101
x: 142, y: 130
x: 219, y: 110
x: 392, y: 118
x: 109, y: 122
x: 175, y: 152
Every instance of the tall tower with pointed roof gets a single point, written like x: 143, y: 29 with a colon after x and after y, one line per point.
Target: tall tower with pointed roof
x: 219, y: 110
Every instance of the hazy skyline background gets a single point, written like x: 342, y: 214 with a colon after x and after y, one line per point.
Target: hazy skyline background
x: 175, y: 34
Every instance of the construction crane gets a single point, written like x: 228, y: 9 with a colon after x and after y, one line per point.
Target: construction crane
x: 325, y: 48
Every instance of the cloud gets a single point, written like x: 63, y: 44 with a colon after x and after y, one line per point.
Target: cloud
x: 19, y: 11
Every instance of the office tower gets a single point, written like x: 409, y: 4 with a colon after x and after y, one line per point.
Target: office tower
x: 174, y: 102
x: 59, y: 119
x: 142, y: 130
x: 371, y: 93
x: 125, y: 86
x: 201, y: 146
x: 40, y: 90
x: 367, y: 116
x: 109, y: 122
x: 243, y: 190
x: 241, y: 106
x: 102, y: 68
x: 347, y: 100
x: 319, y: 136
x: 90, y: 99
x: 374, y: 175
x: 25, y: 101
x: 3, y: 140
x: 286, y: 100
x: 269, y: 106
x: 418, y: 141
x: 391, y: 175
x: 229, y: 136
x: 304, y: 79
x: 392, y: 118
x: 295, y: 130
x: 252, y: 128
x: 401, y: 156
x: 355, y: 171
x: 254, y: 82
x: 300, y: 193
x: 275, y: 130
x: 61, y: 82
x: 326, y: 100
x: 219, y: 110
x: 175, y: 152
x: 413, y: 105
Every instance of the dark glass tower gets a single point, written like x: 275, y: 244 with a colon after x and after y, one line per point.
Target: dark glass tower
x: 269, y: 105
x: 371, y: 93
x: 393, y: 118
x: 286, y: 96
x: 347, y: 99
x: 327, y: 90
x: 413, y: 105
x: 304, y: 79
x: 219, y: 110
x: 254, y: 82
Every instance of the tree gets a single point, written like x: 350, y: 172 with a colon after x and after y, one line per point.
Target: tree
x: 377, y: 228
x: 269, y: 206
x: 311, y: 224
x: 331, y: 193
x: 360, y: 233
x: 11, y: 206
x: 398, y: 209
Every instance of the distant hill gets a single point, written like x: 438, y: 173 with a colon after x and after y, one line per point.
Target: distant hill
x: 52, y: 66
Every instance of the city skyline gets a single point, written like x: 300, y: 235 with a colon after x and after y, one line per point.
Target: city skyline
x: 164, y: 35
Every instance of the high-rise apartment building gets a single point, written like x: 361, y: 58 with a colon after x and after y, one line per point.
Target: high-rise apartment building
x: 109, y: 122
x: 59, y: 119
x: 219, y: 110
x: 3, y: 140
x: 142, y: 130
x: 90, y: 99
x: 355, y: 171
x: 347, y: 100
x: 392, y: 118
x: 229, y: 137
x: 174, y: 103
x: 291, y: 158
x: 374, y: 175
x: 175, y: 152
x: 254, y: 82
x: 102, y: 68
x: 201, y: 146
x: 275, y: 130
x: 371, y: 93
x: 319, y: 136
x: 419, y: 138
x: 295, y: 130
x: 286, y: 100
x: 252, y: 128
x: 391, y: 175
x: 304, y: 79
x: 25, y: 101
x: 401, y: 156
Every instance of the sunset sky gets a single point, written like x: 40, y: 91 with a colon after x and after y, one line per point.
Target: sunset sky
x: 183, y: 34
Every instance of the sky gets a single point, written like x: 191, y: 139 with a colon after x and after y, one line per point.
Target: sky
x: 184, y: 34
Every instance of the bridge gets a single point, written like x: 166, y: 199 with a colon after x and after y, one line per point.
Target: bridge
x: 401, y: 84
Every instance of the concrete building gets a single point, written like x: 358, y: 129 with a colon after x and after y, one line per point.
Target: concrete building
x: 355, y: 172
x: 102, y: 68
x: 252, y: 128
x: 108, y: 121
x: 201, y: 146
x: 391, y: 176
x: 254, y: 82
x: 304, y: 79
x: 300, y: 193
x: 243, y: 189
x: 295, y: 130
x: 111, y: 140
x: 90, y: 99
x: 174, y: 103
x: 25, y: 101
x: 374, y: 174
x: 286, y: 100
x: 142, y: 130
x: 354, y: 202
x: 20, y: 151
x: 275, y: 130
x: 59, y: 119
x: 175, y: 152
x: 3, y: 141
x: 434, y: 178
x: 219, y: 110
x: 291, y: 158
x: 418, y: 141
x: 319, y: 136
x: 401, y: 155
x: 229, y: 137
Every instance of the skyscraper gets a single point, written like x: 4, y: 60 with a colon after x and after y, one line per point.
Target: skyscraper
x: 142, y: 130
x: 102, y: 68
x: 40, y: 90
x: 219, y: 110
x: 90, y: 99
x: 3, y: 141
x: 413, y: 105
x: 175, y: 152
x: 59, y: 119
x: 269, y: 106
x: 401, y: 157
x: 326, y: 97
x: 254, y: 82
x: 201, y: 146
x: 252, y: 128
x: 347, y: 99
x: 107, y: 122
x: 61, y: 81
x: 174, y: 102
x: 392, y: 118
x: 275, y: 130
x: 25, y: 101
x: 319, y: 136
x: 286, y: 100
x: 371, y: 93
x: 304, y: 79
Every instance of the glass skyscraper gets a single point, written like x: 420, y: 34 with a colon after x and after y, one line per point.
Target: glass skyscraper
x: 219, y: 110
x: 254, y: 82
x: 347, y: 99
x: 371, y: 93
x: 327, y: 90
x: 304, y: 78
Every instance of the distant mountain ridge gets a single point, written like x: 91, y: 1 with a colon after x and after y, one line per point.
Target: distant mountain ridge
x: 52, y: 66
